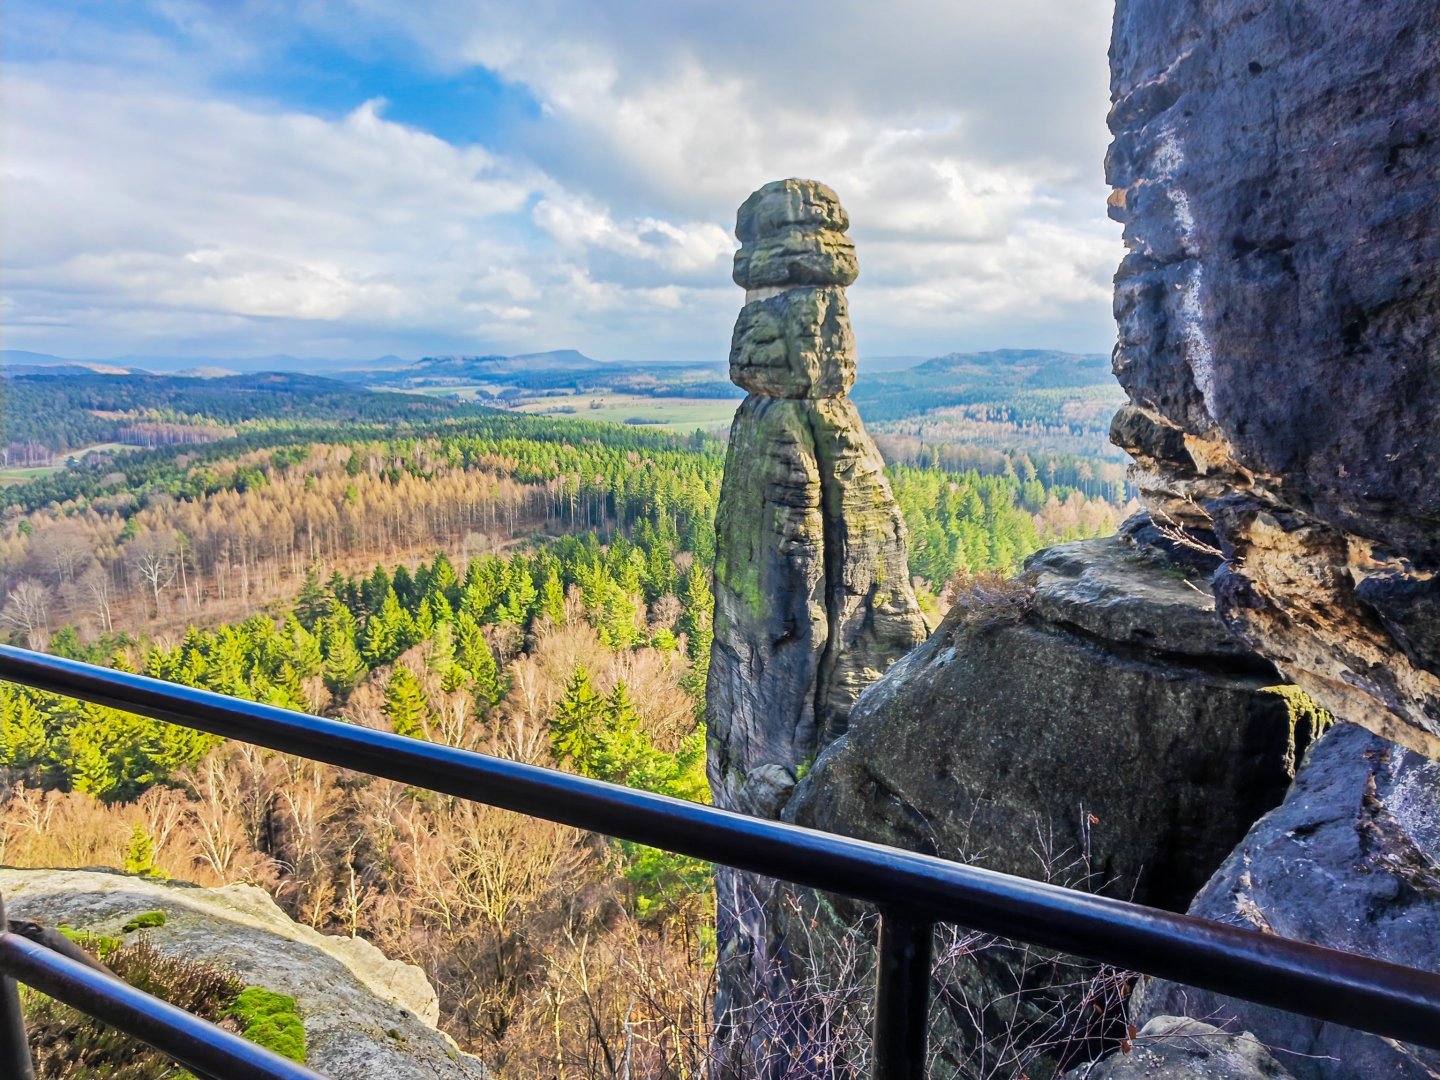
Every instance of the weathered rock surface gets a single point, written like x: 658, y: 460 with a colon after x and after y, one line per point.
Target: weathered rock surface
x: 792, y: 233
x: 812, y: 589
x: 1178, y: 1048
x: 1093, y: 724
x: 1277, y: 169
x: 1350, y: 860
x: 365, y: 1015
x: 1098, y: 708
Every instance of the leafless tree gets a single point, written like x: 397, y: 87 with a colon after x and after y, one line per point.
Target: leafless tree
x: 155, y: 557
x: 27, y: 609
x: 63, y: 549
x: 95, y: 585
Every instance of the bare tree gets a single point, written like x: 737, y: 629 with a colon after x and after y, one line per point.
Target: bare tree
x: 27, y: 609
x: 155, y: 557
x: 95, y: 585
x: 63, y: 549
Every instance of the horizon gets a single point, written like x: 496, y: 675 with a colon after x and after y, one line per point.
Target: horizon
x: 183, y: 181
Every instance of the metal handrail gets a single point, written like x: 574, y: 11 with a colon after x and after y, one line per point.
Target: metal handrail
x: 914, y: 891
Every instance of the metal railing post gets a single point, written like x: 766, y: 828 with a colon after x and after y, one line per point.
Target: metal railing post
x: 15, y: 1057
x: 902, y: 996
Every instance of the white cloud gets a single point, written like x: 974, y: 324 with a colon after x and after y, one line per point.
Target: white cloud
x: 145, y: 210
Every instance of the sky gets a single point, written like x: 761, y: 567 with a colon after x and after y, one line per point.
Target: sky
x: 351, y: 178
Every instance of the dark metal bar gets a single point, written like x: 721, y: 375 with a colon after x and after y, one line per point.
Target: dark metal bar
x: 15, y: 1057
x: 902, y: 997
x: 195, y: 1043
x: 1344, y: 988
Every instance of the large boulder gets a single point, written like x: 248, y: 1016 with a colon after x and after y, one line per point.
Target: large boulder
x: 1350, y: 860
x: 1092, y: 724
x: 1276, y: 167
x: 1178, y: 1048
x: 365, y: 1015
x: 1094, y: 709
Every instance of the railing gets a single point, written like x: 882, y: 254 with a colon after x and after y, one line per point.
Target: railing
x: 912, y: 891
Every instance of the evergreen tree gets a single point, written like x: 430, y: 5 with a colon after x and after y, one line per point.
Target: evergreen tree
x: 578, y: 726
x: 23, y: 739
x: 474, y: 654
x: 374, y: 590
x: 406, y: 704
x: 377, y: 643
x: 311, y: 602
x: 552, y: 599
x: 140, y: 854
x: 697, y: 616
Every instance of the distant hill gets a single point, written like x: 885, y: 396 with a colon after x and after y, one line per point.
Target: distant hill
x: 486, y: 368
x: 22, y: 361
x: 974, y: 377
x: 15, y: 362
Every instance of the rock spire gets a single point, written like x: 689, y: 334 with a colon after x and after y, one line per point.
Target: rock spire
x: 812, y: 591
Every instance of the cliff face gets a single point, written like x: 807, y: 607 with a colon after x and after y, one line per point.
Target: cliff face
x: 812, y: 590
x: 1350, y: 860
x: 1277, y: 168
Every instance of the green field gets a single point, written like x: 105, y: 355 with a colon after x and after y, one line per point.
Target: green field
x: 34, y: 472
x: 681, y: 414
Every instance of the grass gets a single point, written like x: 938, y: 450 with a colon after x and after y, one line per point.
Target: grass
x: 679, y: 413
x: 20, y: 475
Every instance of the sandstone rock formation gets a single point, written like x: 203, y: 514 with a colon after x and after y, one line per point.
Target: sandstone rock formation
x: 1277, y: 169
x: 1178, y: 1048
x: 812, y: 590
x: 1350, y: 860
x: 365, y: 1015
x: 1092, y: 724
x: 1097, y: 709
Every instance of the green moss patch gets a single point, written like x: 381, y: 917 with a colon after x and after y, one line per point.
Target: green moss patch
x: 270, y: 1020
x: 98, y: 944
x: 144, y: 921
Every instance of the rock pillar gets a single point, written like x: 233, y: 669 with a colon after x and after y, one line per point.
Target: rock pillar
x: 812, y: 592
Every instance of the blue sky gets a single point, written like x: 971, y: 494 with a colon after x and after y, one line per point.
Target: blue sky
x: 347, y: 179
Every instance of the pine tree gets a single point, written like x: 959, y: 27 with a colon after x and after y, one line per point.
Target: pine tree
x: 406, y: 704
x: 552, y: 599
x: 343, y: 668
x: 473, y: 653
x: 697, y: 617
x: 140, y: 854
x: 374, y: 590
x: 520, y: 596
x: 377, y: 644
x: 578, y: 725
x: 311, y: 601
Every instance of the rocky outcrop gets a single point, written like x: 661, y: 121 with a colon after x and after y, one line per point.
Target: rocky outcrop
x: 1178, y: 1048
x: 365, y: 1015
x: 1350, y: 860
x: 1092, y: 724
x: 812, y: 590
x: 1094, y: 711
x: 1276, y: 168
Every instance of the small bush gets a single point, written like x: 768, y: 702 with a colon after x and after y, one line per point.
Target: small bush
x: 68, y: 1045
x: 144, y: 921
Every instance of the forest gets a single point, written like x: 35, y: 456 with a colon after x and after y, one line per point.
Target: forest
x: 532, y: 588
